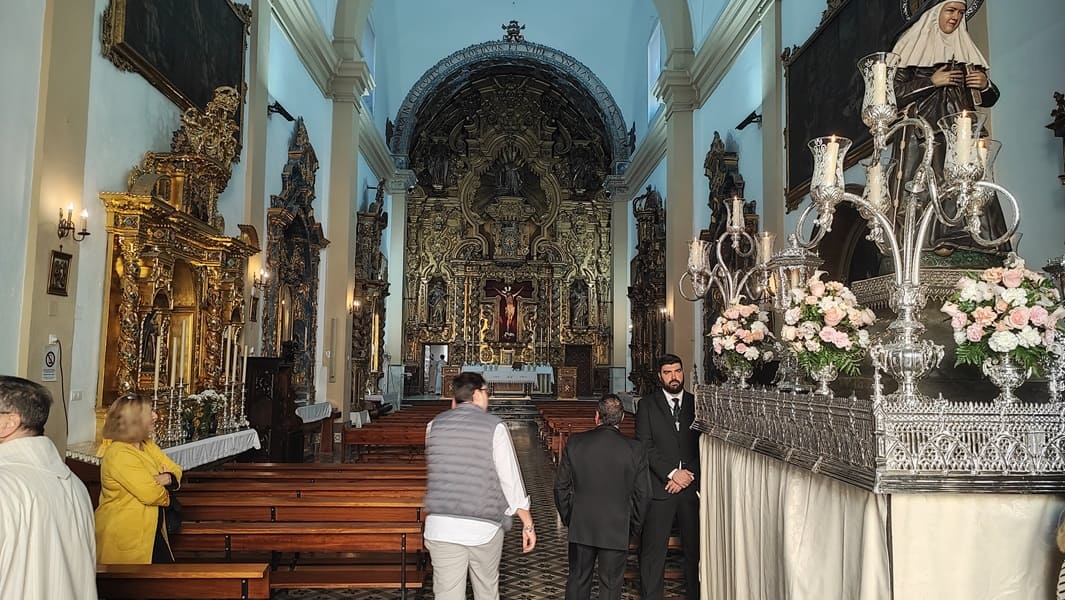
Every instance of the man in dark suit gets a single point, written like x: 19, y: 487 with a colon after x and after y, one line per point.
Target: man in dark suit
x: 663, y: 425
x: 601, y: 490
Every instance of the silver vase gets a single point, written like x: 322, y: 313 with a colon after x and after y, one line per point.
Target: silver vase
x: 824, y: 376
x: 1007, y: 375
x: 737, y: 373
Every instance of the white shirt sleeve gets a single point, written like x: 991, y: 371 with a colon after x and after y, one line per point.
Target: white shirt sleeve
x: 508, y: 470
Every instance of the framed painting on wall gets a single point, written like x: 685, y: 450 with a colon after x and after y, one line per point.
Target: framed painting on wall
x: 58, y: 273
x: 185, y: 48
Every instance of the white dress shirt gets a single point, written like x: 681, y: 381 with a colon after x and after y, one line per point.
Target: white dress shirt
x: 474, y: 532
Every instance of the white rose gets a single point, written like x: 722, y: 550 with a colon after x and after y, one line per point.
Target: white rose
x: 863, y: 338
x: 751, y: 353
x: 791, y: 316
x: 728, y: 343
x: 1002, y: 341
x: 1029, y: 337
x: 1015, y: 296
x: 959, y: 337
x: 813, y: 345
x: 767, y: 355
x: 758, y: 326
x: 789, y: 332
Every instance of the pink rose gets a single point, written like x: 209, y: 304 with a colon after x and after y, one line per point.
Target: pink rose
x: 959, y: 321
x: 974, y: 333
x: 841, y: 340
x: 984, y: 315
x: 868, y: 317
x: 717, y: 346
x: 1001, y: 326
x: 828, y: 333
x: 716, y: 328
x: 817, y: 288
x: 741, y: 347
x: 811, y: 300
x: 757, y: 336
x: 732, y: 313
x: 1019, y: 317
x: 1001, y: 306
x: 747, y: 310
x: 1012, y: 278
x: 833, y: 316
x: 950, y: 308
x: 789, y: 332
x: 1038, y: 315
x: 992, y: 275
x: 1052, y: 320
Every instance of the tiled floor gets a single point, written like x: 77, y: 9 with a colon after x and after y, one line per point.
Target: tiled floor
x: 539, y: 575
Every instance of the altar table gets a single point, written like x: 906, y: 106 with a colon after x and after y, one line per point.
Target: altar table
x: 188, y: 455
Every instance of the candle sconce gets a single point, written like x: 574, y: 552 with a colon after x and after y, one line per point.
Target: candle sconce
x: 65, y: 228
x: 259, y: 281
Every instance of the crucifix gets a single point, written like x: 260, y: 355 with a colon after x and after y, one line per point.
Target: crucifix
x: 508, y: 293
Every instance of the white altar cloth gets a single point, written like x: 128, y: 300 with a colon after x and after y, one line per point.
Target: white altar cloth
x: 506, y: 374
x: 189, y: 455
x: 310, y: 413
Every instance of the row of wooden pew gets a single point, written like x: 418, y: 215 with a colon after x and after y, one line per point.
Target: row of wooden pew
x: 560, y: 418
x: 313, y: 525
x: 397, y: 436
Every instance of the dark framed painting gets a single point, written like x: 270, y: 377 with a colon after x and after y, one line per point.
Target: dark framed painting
x: 58, y: 273
x: 824, y: 88
x: 185, y: 48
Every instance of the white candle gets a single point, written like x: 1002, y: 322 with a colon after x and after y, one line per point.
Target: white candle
x: 737, y: 212
x: 158, y: 359
x: 831, y: 158
x: 766, y: 239
x: 963, y: 144
x: 874, y: 181
x: 173, y: 360
x: 880, y: 83
x: 181, y: 354
x: 244, y: 368
x: 228, y: 343
x: 981, y: 148
x: 238, y: 347
x: 186, y: 347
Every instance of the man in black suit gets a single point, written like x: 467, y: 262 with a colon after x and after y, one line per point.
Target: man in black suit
x: 663, y: 425
x: 601, y: 490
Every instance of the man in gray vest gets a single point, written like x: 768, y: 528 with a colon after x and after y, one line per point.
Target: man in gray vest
x: 475, y: 487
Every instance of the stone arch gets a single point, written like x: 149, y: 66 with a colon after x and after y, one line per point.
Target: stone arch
x: 676, y: 29
x: 402, y: 136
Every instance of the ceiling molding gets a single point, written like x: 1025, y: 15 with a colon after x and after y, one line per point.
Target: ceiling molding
x: 648, y: 154
x: 298, y: 21
x: 724, y: 43
x: 373, y: 148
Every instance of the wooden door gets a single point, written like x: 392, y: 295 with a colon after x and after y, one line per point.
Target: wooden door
x: 581, y: 357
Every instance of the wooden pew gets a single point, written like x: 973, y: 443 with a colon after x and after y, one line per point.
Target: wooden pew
x: 207, y: 507
x: 183, y: 580
x: 230, y: 537
x: 362, y: 489
x: 387, y: 467
x: 305, y: 476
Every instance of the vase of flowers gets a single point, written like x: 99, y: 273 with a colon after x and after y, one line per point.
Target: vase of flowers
x: 827, y: 329
x: 741, y: 339
x: 1004, y: 321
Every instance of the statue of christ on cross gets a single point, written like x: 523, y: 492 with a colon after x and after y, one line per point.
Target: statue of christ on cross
x: 508, y: 310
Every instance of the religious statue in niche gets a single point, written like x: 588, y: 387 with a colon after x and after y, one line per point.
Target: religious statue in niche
x: 437, y: 301
x: 508, y: 295
x: 578, y: 304
x: 509, y: 180
x: 438, y: 162
x: 149, y: 334
x: 941, y: 71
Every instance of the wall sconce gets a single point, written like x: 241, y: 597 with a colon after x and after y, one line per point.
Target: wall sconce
x: 356, y: 305
x: 276, y: 108
x: 259, y: 281
x: 663, y: 312
x: 66, y: 225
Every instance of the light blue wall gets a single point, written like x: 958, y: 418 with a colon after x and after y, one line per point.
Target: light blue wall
x: 325, y: 10
x: 1027, y: 47
x: 21, y: 35
x: 608, y: 36
x: 704, y: 14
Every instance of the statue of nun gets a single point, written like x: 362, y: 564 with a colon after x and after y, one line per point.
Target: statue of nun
x: 941, y: 71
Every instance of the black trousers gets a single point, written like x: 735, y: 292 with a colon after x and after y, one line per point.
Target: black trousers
x: 582, y: 563
x: 655, y: 542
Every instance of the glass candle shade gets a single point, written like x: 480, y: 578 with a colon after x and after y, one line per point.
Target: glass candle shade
x: 877, y: 177
x: 962, y: 131
x: 879, y: 107
x: 698, y: 258
x: 829, y: 153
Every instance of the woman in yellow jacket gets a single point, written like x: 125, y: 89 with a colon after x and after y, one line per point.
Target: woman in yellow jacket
x: 135, y: 479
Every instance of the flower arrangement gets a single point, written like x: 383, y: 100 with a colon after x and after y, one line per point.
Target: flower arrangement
x: 825, y: 326
x: 1009, y: 312
x: 741, y: 335
x: 201, y: 412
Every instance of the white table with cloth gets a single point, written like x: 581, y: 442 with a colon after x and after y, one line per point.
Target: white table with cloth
x: 541, y: 377
x: 310, y: 413
x: 188, y: 455
x: 783, y: 517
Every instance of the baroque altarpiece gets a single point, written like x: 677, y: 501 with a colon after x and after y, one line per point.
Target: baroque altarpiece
x: 508, y: 249
x: 175, y: 279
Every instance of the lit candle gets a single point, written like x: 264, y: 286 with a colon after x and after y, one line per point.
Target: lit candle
x: 766, y: 241
x: 879, y: 82
x: 874, y: 181
x: 831, y: 158
x: 186, y: 347
x: 964, y: 142
x: 737, y: 212
x: 158, y: 359
x: 173, y: 361
x: 237, y: 347
x: 981, y: 149
x: 244, y: 368
x: 181, y: 354
x: 793, y: 278
x: 84, y: 219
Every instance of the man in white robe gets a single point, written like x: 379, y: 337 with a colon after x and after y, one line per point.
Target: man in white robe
x: 47, y: 544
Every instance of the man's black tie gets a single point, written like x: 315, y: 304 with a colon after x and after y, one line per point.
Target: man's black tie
x: 676, y: 412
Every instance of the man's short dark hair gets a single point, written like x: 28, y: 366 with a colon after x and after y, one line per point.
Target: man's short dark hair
x: 466, y: 383
x: 610, y: 409
x: 29, y: 400
x: 668, y: 359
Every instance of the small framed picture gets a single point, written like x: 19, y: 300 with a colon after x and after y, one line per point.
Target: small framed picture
x: 254, y: 316
x: 58, y: 273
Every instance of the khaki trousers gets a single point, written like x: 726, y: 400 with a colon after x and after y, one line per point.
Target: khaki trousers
x: 452, y: 561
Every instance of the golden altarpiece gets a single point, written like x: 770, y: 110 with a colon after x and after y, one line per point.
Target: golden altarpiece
x: 508, y: 246
x: 293, y: 254
x: 368, y: 300
x: 647, y: 292
x: 176, y: 281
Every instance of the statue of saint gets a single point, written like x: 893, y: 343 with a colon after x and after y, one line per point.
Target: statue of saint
x: 437, y: 302
x: 941, y: 71
x: 149, y: 331
x: 578, y: 309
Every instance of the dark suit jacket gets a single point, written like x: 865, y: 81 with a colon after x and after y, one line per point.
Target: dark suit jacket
x: 668, y: 448
x: 602, y: 488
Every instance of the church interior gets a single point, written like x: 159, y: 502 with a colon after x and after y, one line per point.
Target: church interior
x: 292, y: 222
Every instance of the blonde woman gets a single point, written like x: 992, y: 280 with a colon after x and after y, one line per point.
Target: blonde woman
x: 136, y: 479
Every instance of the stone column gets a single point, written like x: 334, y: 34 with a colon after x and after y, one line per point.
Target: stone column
x: 772, y: 125
x: 397, y: 240
x: 676, y: 90
x: 255, y: 196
